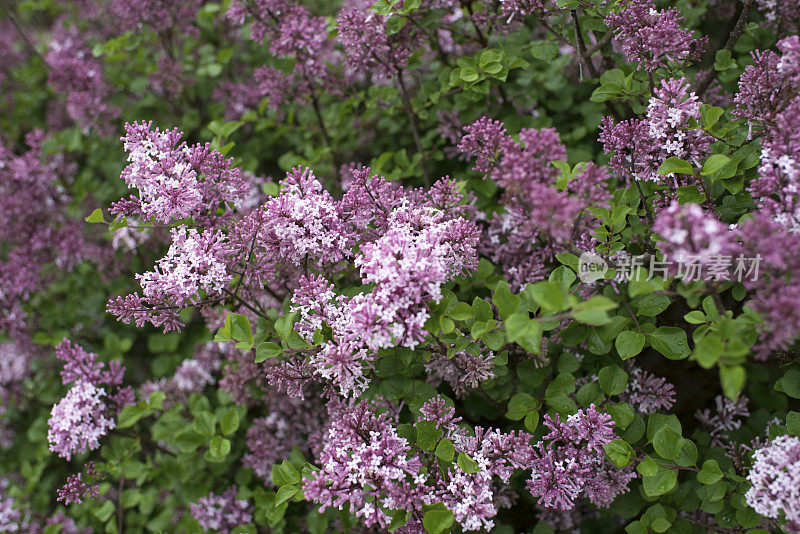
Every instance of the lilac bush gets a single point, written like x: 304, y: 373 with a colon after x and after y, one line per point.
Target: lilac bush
x: 399, y: 266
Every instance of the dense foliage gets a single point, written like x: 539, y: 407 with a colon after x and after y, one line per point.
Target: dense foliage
x: 399, y: 266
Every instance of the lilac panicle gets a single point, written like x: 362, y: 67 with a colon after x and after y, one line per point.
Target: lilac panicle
x: 775, y: 479
x: 652, y: 37
x: 221, y: 513
x: 79, y: 420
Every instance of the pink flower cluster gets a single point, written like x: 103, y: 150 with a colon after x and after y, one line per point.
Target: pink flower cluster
x: 367, y: 44
x: 638, y: 147
x: 364, y: 462
x: 775, y: 479
x: 77, y: 488
x: 221, y: 513
x: 420, y: 248
x: 37, y: 233
x: 79, y: 420
x: 82, y: 417
x: 569, y: 462
x: 194, y: 263
x: 75, y: 72
x: 692, y: 235
x: 648, y: 393
x: 776, y: 188
x: 175, y: 180
x: 654, y: 38
x: 541, y: 211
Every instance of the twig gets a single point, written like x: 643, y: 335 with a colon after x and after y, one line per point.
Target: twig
x: 22, y: 34
x: 736, y: 32
x: 582, y: 57
x: 414, y: 128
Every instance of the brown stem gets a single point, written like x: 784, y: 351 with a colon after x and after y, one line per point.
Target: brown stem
x: 736, y: 32
x: 414, y: 127
x: 22, y: 34
x: 582, y: 54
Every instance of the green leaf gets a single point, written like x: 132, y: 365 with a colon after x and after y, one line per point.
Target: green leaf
x: 219, y: 447
x: 710, y: 115
x: 622, y: 413
x: 521, y: 329
x: 613, y: 380
x: 671, y: 342
x: 437, y: 521
x: 714, y: 163
x: 667, y: 443
x: 790, y: 383
x: 531, y: 421
x: 629, y: 344
x: 732, y: 380
x: 662, y: 482
x: 460, y: 312
x: 95, y: 217
x: 675, y: 165
x: 695, y: 317
x: 204, y: 423
x: 619, y: 452
x: 793, y: 423
x: 710, y: 473
x: 707, y: 351
x: 445, y: 450
x: 468, y: 74
x: 544, y: 50
x: 489, y: 56
x: 547, y: 295
x: 428, y: 435
x: 289, y: 472
x: 607, y: 91
x: 285, y: 493
x: 690, y: 194
x: 519, y: 406
x: 482, y: 309
x: 285, y: 324
x: 229, y: 422
x: 467, y: 464
x: 267, y: 350
x: 130, y: 415
x: 594, y: 311
x: 506, y: 302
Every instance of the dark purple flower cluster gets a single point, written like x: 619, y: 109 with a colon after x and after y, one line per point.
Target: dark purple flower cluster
x: 221, y: 513
x: 638, y: 147
x: 569, y: 462
x: 654, y: 38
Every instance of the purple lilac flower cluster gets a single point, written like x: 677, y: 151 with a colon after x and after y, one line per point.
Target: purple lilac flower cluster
x: 365, y: 463
x: 540, y: 210
x: 648, y: 393
x: 75, y: 72
x: 79, y: 488
x: 419, y: 248
x: 79, y: 420
x: 775, y: 477
x: 569, y: 462
x: 654, y: 38
x: 37, y: 234
x: 776, y: 188
x: 692, y: 235
x: 367, y: 45
x: 175, y: 180
x: 221, y: 513
x: 86, y: 413
x: 638, y: 147
x: 160, y: 15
